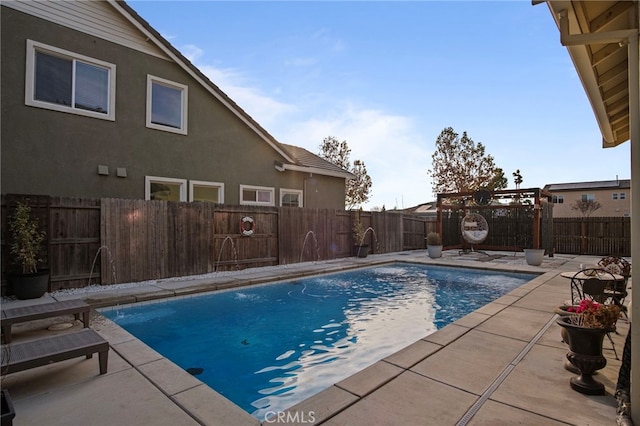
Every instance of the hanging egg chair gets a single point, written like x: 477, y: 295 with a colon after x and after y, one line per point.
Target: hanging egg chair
x: 475, y: 228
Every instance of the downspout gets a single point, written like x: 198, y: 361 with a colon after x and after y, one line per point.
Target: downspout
x: 630, y: 38
x: 305, y: 199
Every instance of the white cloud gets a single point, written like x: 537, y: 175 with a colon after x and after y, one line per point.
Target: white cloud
x: 262, y: 108
x: 324, y: 36
x: 394, y: 152
x: 192, y: 52
x: 396, y: 156
x: 301, y: 62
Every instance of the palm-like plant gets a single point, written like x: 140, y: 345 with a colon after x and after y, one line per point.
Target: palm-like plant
x: 26, y: 239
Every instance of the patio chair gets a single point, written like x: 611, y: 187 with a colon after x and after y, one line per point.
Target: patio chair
x: 594, y: 289
x: 617, y: 292
x: 594, y: 276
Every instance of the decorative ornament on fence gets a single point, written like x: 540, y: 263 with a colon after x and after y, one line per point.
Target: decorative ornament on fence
x: 247, y: 226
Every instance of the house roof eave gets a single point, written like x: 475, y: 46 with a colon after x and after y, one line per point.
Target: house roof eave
x: 319, y: 171
x: 602, y: 41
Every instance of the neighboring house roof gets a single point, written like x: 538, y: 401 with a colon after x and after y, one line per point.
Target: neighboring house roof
x: 577, y: 186
x: 425, y: 208
x: 300, y: 159
x: 308, y: 162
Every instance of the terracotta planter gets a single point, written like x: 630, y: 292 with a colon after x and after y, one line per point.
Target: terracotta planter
x: 30, y: 286
x: 585, y: 353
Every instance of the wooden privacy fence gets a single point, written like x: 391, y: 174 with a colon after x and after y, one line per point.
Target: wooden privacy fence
x: 108, y: 241
x: 313, y: 234
x: 72, y: 227
x: 599, y: 236
x: 144, y: 240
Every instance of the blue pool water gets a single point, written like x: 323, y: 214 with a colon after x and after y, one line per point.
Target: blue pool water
x: 268, y: 347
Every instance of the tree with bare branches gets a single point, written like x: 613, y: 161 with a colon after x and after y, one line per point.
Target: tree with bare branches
x: 336, y: 152
x: 461, y: 165
x: 358, y: 190
x: 585, y: 206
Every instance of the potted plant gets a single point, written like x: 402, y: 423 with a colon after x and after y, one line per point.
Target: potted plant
x: 25, y: 245
x: 534, y: 257
x: 359, y: 248
x: 434, y: 245
x: 585, y: 328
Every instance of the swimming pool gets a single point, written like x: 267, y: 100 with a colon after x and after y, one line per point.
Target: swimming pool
x: 268, y: 347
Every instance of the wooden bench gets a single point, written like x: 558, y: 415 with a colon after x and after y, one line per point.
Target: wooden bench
x: 35, y: 353
x: 46, y: 310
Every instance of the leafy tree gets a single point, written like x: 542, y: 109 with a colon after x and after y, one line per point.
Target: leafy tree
x: 585, y: 207
x: 358, y: 190
x: 461, y: 165
x: 499, y: 181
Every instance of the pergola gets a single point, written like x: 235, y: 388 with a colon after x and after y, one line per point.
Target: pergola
x: 516, y: 211
x: 602, y: 40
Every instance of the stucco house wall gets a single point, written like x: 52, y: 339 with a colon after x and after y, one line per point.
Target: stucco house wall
x: 59, y: 153
x: 614, y: 197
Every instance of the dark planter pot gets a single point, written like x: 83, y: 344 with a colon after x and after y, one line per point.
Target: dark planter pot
x: 8, y: 413
x: 585, y: 353
x: 30, y: 286
x: 563, y: 312
x: 361, y: 251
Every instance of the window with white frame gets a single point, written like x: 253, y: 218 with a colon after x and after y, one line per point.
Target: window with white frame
x: 64, y: 81
x: 166, y: 189
x: 619, y: 196
x: 206, y: 191
x: 290, y: 198
x: 588, y: 197
x: 257, y: 195
x: 166, y: 105
x: 558, y: 199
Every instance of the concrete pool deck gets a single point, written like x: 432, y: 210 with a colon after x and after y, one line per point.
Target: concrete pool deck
x: 502, y: 364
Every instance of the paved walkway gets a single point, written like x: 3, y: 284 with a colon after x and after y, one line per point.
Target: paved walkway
x: 502, y: 364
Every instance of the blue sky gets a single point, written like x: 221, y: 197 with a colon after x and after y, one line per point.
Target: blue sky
x: 388, y: 77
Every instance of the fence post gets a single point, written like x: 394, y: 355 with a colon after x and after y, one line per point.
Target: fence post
x: 583, y: 237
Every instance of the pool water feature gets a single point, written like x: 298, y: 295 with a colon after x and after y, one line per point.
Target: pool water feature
x: 271, y: 346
